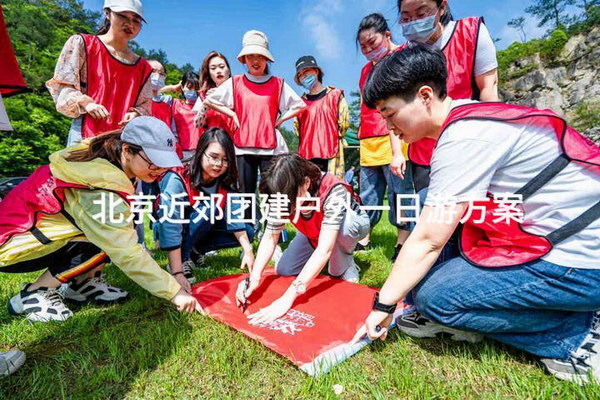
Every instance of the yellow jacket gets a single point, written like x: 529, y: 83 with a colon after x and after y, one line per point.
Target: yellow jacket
x: 117, y: 239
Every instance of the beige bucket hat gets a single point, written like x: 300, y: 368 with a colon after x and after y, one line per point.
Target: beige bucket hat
x: 255, y: 42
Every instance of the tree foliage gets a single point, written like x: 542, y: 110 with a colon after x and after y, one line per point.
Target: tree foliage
x: 38, y: 30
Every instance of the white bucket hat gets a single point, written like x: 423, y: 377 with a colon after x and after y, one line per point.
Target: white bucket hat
x: 255, y: 42
x: 126, y: 5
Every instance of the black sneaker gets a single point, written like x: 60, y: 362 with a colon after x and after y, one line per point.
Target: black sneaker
x: 583, y: 366
x: 396, y: 252
x: 187, y: 268
x: 416, y: 325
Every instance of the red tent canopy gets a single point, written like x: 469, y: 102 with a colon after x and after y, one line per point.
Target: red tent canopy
x: 11, y: 79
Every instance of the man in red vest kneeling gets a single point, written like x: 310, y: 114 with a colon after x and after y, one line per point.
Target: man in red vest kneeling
x: 525, y: 187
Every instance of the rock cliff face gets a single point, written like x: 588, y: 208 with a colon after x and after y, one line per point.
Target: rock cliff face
x: 562, y: 85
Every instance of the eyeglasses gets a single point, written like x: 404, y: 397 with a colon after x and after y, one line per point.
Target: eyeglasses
x: 151, y: 165
x: 216, y: 160
x: 134, y: 21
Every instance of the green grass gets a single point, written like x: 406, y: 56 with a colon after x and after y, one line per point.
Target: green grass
x: 145, y: 349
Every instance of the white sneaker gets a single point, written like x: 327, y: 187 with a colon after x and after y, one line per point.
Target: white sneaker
x: 41, y: 305
x: 583, y: 366
x: 10, y: 361
x: 352, y: 274
x: 416, y: 325
x: 277, y: 255
x: 94, y: 289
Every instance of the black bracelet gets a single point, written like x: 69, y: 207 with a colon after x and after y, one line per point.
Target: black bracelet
x: 386, y: 308
x: 177, y: 273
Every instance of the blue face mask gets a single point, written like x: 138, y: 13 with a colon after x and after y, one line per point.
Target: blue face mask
x: 420, y: 30
x: 309, y: 81
x: 190, y: 95
x: 157, y: 81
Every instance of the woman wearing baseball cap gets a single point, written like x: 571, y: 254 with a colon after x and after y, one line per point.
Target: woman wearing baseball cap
x: 99, y: 81
x: 321, y: 126
x: 258, y: 103
x: 72, y: 216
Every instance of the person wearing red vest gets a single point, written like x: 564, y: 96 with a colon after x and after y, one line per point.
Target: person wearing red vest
x: 377, y: 144
x: 321, y: 126
x: 214, y: 72
x: 183, y: 117
x: 183, y: 226
x: 330, y: 223
x: 161, y: 103
x: 72, y: 216
x: 472, y: 63
x: 529, y: 270
x: 258, y: 103
x: 99, y: 81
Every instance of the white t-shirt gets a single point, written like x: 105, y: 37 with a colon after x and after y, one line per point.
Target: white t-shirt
x: 289, y: 100
x: 474, y: 157
x: 485, y: 57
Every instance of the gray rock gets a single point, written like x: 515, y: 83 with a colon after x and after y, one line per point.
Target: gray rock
x: 594, y: 134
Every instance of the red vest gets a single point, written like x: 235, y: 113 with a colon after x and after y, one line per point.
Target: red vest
x: 460, y: 52
x: 111, y: 83
x: 372, y: 124
x: 319, y: 129
x: 502, y: 244
x: 215, y: 119
x: 311, y: 226
x: 183, y: 117
x: 39, y: 194
x: 11, y: 79
x: 162, y: 111
x: 256, y: 106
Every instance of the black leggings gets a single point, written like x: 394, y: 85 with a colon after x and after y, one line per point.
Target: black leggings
x: 64, y: 264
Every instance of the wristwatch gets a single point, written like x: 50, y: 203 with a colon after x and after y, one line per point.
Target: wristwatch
x: 299, y: 286
x: 386, y: 308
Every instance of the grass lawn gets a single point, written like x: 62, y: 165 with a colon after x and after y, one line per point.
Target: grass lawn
x: 145, y: 349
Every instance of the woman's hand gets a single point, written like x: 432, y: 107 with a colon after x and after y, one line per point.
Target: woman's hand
x: 186, y: 303
x: 236, y: 121
x: 376, y: 326
x: 128, y: 117
x: 242, y: 293
x: 247, y: 260
x: 183, y: 282
x: 97, y: 111
x: 277, y: 309
x: 398, y: 166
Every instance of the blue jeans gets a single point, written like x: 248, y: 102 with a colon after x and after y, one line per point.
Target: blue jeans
x: 540, y: 307
x: 373, y: 182
x: 204, y: 237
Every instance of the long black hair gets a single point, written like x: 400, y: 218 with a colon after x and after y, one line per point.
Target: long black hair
x: 444, y: 19
x: 105, y: 27
x: 375, y: 21
x: 229, y: 179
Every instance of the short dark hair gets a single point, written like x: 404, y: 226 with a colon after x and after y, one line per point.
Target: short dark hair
x: 190, y: 77
x: 404, y: 72
x: 373, y: 21
x: 286, y: 174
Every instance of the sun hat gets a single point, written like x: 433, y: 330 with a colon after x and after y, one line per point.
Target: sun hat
x: 134, y: 6
x: 255, y: 42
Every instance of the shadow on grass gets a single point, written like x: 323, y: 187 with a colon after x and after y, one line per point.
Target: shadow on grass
x: 100, y: 352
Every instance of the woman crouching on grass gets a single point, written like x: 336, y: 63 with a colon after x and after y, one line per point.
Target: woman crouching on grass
x: 210, y: 173
x: 328, y: 231
x: 70, y: 218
